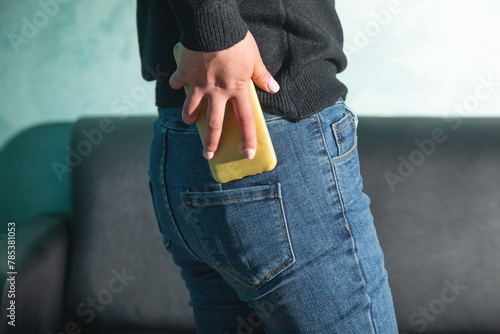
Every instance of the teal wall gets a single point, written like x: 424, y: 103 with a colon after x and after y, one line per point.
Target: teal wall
x: 59, y: 60
x: 81, y: 60
x: 422, y: 59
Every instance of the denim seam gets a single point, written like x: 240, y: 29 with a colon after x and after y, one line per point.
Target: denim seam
x: 166, y: 241
x: 363, y: 277
x: 284, y: 229
x: 271, y: 273
x: 225, y: 201
x: 338, y: 141
x: 276, y: 269
x: 332, y: 165
x: 346, y: 156
x: 154, y: 205
x: 333, y: 173
x: 162, y: 171
x: 273, y: 118
x: 349, y: 153
x: 170, y: 126
x: 337, y: 137
x: 199, y: 235
x: 335, y: 125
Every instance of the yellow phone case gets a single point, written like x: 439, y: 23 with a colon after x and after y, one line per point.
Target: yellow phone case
x: 229, y: 162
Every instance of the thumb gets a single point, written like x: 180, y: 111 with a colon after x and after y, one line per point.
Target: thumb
x: 176, y: 81
x: 263, y: 79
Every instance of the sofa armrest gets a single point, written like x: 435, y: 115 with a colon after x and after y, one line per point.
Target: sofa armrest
x: 40, y: 263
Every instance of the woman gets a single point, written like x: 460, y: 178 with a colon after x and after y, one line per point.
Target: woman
x: 292, y: 250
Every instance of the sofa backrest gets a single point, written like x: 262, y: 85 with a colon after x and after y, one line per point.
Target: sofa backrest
x: 435, y: 190
x: 120, y: 275
x: 31, y: 182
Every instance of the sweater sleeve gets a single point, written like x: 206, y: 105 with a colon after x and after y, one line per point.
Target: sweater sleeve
x: 209, y: 25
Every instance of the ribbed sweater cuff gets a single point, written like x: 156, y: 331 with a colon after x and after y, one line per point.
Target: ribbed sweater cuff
x: 209, y: 25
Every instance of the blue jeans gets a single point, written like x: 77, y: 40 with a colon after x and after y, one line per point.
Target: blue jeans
x: 292, y: 250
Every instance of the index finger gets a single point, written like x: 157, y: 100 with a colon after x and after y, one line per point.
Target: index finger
x: 215, y: 118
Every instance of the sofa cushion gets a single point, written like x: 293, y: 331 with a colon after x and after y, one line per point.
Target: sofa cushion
x: 435, y: 190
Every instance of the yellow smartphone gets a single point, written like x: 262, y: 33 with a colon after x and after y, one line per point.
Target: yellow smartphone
x: 229, y: 162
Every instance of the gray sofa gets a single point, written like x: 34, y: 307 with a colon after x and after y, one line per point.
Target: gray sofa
x: 100, y: 267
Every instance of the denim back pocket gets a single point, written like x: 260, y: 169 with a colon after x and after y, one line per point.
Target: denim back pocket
x: 243, y: 231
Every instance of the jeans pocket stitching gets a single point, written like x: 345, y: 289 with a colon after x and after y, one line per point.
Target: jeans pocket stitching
x: 336, y: 124
x: 225, y: 201
x: 338, y: 140
x: 347, y: 154
x: 332, y: 162
x: 277, y: 269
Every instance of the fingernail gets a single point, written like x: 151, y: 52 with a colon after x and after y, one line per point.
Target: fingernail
x: 208, y: 155
x: 249, y: 154
x: 273, y: 86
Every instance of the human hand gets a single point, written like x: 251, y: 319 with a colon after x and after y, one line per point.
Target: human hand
x: 221, y: 77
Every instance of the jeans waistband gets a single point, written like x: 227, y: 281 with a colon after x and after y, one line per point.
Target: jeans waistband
x: 172, y: 117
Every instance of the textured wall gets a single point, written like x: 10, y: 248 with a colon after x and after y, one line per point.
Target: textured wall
x: 423, y: 58
x: 80, y: 59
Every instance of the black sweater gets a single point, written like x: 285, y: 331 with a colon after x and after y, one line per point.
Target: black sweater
x: 300, y: 42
